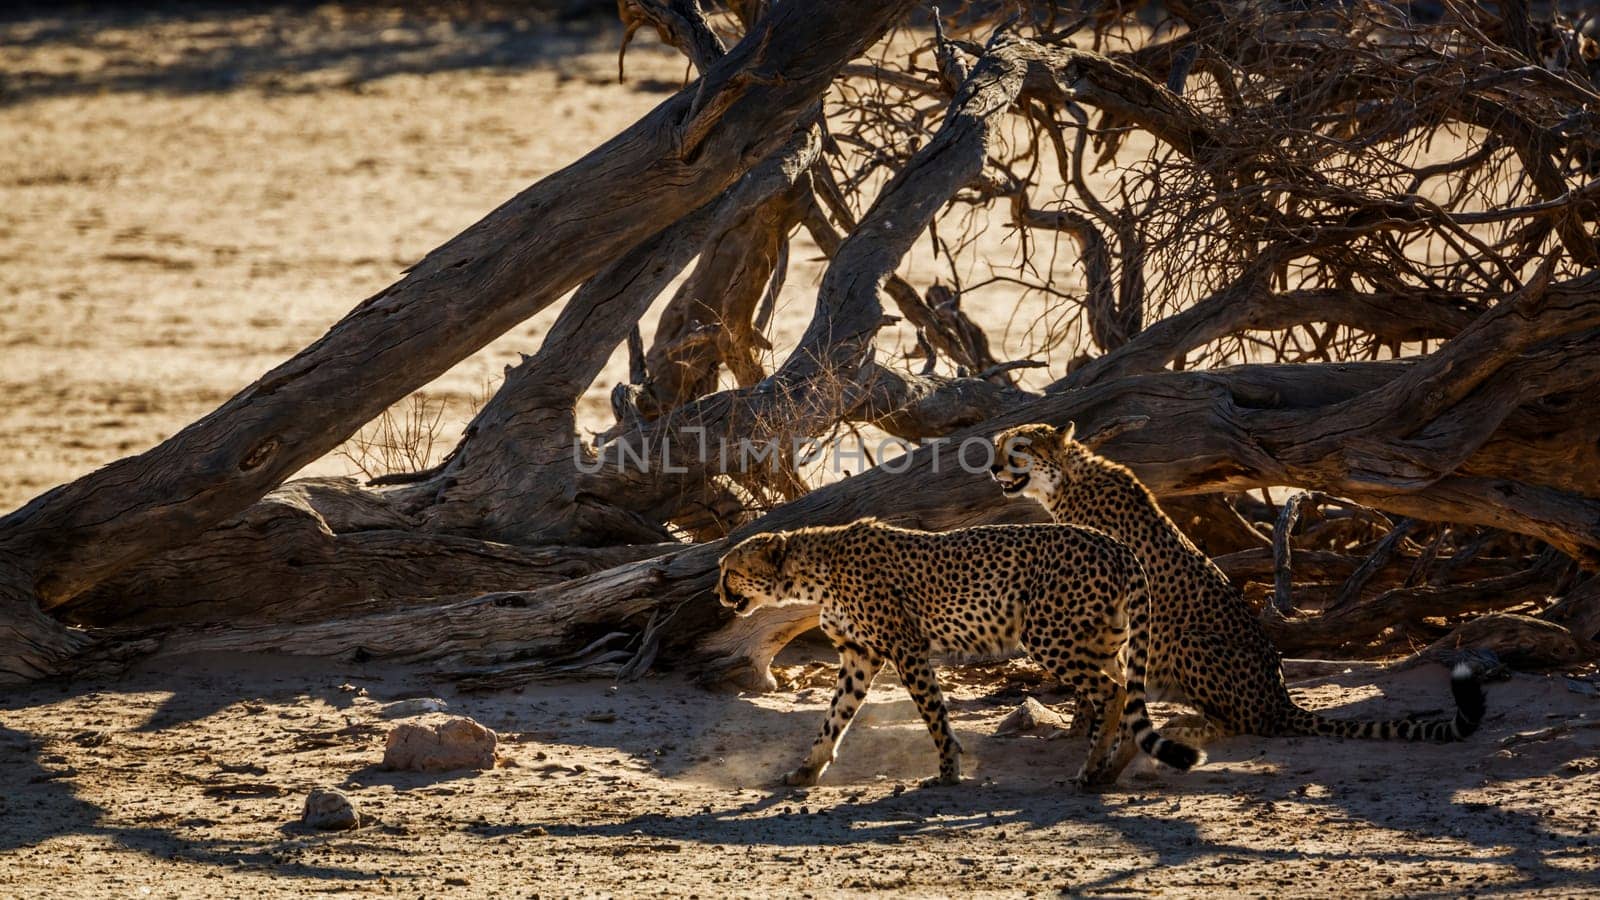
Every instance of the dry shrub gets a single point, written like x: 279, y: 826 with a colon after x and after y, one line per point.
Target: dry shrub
x: 405, y: 438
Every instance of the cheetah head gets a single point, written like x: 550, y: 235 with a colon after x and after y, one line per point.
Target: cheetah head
x: 1040, y: 460
x: 1034, y: 461
x: 751, y: 573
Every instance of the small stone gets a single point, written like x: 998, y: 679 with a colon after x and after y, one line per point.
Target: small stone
x: 328, y: 809
x: 417, y: 706
x: 1032, y: 717
x: 450, y: 743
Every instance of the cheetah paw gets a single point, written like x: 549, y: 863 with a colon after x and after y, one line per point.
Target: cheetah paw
x: 805, y: 776
x: 1091, y: 783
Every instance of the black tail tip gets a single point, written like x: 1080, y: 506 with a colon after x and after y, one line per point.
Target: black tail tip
x: 1179, y: 756
x: 1467, y: 689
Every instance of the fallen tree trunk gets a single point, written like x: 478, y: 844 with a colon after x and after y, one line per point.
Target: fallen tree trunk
x: 1195, y: 452
x: 1518, y: 641
x: 1362, y: 623
x: 320, y: 548
x: 1205, y: 443
x: 465, y: 293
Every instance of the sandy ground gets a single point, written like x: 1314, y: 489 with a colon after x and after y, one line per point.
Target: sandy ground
x: 184, y: 201
x: 187, y: 200
x: 188, y: 779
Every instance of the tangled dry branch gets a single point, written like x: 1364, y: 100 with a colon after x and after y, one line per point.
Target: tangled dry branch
x: 1325, y: 248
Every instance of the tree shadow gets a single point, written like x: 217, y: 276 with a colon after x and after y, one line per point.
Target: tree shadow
x: 59, y: 50
x: 1022, y: 783
x: 40, y: 798
x: 785, y: 818
x: 37, y: 799
x: 727, y: 741
x: 39, y: 802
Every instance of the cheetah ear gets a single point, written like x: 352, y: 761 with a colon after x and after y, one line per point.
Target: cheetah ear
x: 1066, y: 431
x: 774, y: 548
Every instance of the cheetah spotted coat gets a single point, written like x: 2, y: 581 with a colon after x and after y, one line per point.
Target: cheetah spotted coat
x: 1074, y: 598
x: 1206, y: 645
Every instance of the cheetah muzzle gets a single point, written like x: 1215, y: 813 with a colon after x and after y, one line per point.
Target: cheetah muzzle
x: 740, y: 604
x: 1011, y: 483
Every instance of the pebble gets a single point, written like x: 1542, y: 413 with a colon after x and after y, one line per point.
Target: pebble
x: 329, y: 809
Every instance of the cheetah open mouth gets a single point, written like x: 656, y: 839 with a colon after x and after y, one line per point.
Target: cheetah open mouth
x: 1012, y: 484
x: 737, y: 602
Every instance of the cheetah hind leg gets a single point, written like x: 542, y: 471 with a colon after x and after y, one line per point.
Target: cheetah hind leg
x: 1100, y: 704
x: 857, y: 668
x: 1193, y: 729
x: 917, y: 674
x: 1107, y: 743
x: 1082, y: 716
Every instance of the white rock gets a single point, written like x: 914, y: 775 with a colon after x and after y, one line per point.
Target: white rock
x: 404, y: 709
x: 1032, y: 717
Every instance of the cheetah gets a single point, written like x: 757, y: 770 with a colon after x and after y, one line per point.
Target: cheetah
x: 1074, y: 598
x: 1206, y: 646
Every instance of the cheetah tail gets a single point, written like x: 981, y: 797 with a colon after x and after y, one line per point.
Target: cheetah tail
x: 1135, y: 717
x: 1470, y: 707
x: 1177, y: 755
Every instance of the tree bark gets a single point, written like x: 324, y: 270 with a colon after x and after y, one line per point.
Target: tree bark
x: 317, y: 548
x: 465, y: 293
x: 821, y: 380
x: 1487, y: 432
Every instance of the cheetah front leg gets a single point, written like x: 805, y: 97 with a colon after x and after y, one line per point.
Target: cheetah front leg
x: 916, y: 672
x: 857, y: 667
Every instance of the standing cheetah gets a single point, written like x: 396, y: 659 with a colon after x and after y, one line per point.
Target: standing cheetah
x: 1206, y: 644
x: 1077, y: 600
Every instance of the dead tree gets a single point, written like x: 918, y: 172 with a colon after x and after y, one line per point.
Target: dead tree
x: 1339, y: 254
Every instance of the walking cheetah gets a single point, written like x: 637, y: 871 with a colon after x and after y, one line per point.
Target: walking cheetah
x: 1206, y: 644
x: 1077, y: 600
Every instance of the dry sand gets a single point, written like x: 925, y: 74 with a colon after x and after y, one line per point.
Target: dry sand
x: 186, y: 201
x: 188, y: 779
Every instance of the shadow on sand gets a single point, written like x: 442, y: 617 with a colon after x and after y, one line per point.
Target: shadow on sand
x: 1020, y: 786
x: 1018, y: 792
x: 39, y: 790
x: 58, y: 49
